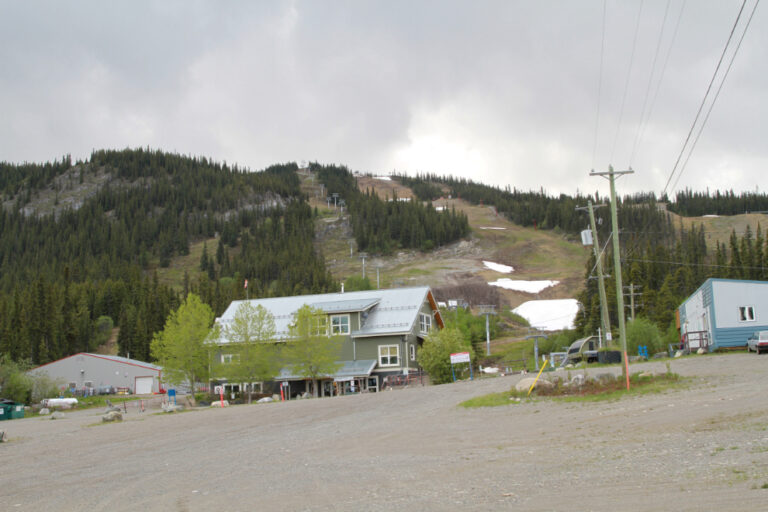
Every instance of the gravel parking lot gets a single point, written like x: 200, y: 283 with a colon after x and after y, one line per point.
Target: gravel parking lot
x: 702, y: 447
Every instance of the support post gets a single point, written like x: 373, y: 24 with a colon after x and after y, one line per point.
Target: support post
x: 611, y: 174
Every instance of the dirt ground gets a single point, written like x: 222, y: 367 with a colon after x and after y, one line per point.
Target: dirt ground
x: 701, y: 447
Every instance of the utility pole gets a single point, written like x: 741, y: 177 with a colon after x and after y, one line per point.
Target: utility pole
x: 611, y: 176
x: 487, y: 310
x: 535, y: 338
x: 632, y: 294
x: 605, y: 319
x: 363, y: 255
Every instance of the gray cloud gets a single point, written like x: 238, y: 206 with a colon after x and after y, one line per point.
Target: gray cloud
x: 497, y: 91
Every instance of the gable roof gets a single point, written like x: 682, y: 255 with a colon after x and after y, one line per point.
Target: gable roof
x: 116, y: 359
x: 385, y: 312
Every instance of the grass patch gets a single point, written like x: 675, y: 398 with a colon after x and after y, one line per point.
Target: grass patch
x: 490, y: 400
x: 590, y: 391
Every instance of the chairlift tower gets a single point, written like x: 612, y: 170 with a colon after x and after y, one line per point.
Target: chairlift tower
x: 487, y: 310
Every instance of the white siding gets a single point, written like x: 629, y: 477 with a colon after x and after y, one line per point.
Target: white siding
x: 729, y: 296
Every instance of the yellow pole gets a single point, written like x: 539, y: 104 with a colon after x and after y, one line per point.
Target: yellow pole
x: 537, y: 377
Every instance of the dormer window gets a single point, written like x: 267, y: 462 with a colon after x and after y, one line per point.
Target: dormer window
x: 339, y: 324
x: 425, y: 323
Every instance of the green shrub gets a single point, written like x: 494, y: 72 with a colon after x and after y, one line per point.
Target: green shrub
x: 641, y: 331
x: 435, y: 354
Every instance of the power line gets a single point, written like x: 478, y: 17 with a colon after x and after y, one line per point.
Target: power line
x: 626, y: 82
x: 599, y: 85
x: 720, y: 88
x: 687, y: 264
x: 648, y: 87
x: 664, y: 67
x: 704, y: 99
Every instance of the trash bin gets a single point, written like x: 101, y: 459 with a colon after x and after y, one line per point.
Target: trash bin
x: 17, y: 411
x: 5, y: 409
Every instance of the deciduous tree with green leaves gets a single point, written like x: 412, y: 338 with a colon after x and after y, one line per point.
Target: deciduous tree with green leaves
x: 311, y: 351
x: 251, y: 337
x: 435, y: 354
x: 180, y: 348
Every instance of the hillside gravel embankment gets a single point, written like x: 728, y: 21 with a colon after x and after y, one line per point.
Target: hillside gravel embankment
x: 701, y: 447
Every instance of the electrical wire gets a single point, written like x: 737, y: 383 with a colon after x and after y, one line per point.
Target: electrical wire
x: 704, y: 99
x: 687, y: 264
x: 648, y: 87
x: 599, y: 85
x: 717, y: 94
x: 626, y: 82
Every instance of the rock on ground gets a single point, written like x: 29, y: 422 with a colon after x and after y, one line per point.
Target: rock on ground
x: 57, y: 415
x: 112, y: 416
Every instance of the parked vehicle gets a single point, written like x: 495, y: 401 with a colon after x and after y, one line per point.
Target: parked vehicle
x: 584, y: 348
x: 758, y: 342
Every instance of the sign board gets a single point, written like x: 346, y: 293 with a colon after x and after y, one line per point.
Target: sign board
x: 608, y: 336
x: 218, y: 390
x: 460, y: 357
x: 586, y: 237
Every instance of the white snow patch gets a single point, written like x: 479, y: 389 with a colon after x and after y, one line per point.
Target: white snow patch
x: 439, y: 208
x: 710, y: 215
x: 498, y: 267
x: 549, y: 315
x: 385, y: 178
x: 490, y: 227
x: 523, y: 286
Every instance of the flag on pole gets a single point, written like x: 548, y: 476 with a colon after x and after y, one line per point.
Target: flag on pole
x: 246, y: 284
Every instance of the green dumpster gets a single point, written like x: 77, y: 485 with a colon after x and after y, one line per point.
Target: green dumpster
x: 17, y: 411
x: 5, y: 411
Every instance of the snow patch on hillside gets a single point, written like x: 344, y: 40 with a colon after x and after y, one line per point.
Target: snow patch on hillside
x: 498, y: 267
x: 523, y: 286
x: 549, y: 315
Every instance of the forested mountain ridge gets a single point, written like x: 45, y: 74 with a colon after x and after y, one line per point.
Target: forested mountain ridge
x: 66, y: 264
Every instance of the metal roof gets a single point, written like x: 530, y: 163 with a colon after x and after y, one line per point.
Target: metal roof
x: 359, y: 368
x: 390, y: 311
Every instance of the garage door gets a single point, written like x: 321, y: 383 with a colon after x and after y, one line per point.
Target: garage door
x: 144, y: 385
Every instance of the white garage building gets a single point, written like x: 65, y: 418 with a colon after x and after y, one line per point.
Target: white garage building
x: 95, y: 371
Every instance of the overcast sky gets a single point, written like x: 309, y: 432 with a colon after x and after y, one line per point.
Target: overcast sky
x: 502, y: 92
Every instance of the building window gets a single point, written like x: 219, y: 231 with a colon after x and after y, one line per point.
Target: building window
x: 746, y: 314
x: 412, y: 349
x: 389, y: 355
x: 340, y: 324
x: 425, y: 323
x: 321, y: 325
x: 230, y: 358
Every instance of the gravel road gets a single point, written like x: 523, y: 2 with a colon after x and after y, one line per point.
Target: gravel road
x: 702, y: 447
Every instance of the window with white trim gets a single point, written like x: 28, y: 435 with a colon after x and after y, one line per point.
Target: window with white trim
x: 425, y: 323
x: 340, y: 324
x: 321, y: 325
x: 230, y: 358
x: 389, y: 355
x: 412, y: 349
x: 746, y: 314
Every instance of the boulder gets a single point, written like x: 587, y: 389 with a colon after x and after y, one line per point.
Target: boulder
x: 112, y: 416
x: 112, y: 408
x: 604, y: 377
x: 3, y: 437
x: 525, y: 384
x: 45, y: 411
x: 219, y: 403
x: 645, y: 375
x: 660, y: 355
x: 276, y: 398
x: 578, y: 380
x: 701, y: 351
x: 172, y: 408
x: 264, y: 400
x: 679, y: 353
x: 57, y: 415
x: 306, y: 395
